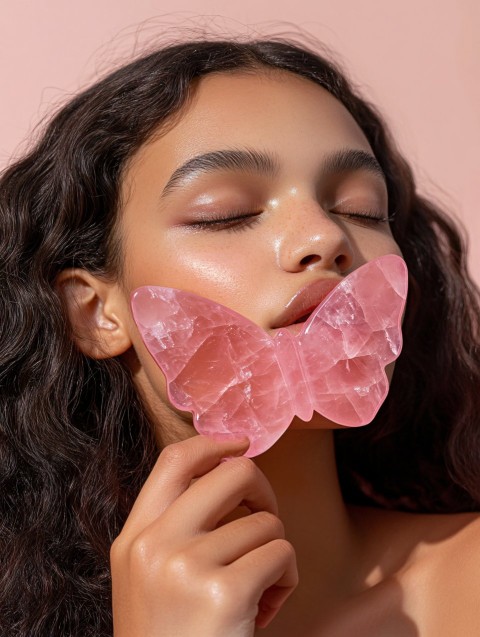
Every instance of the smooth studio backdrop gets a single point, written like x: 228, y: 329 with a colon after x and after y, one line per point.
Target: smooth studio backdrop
x: 417, y: 60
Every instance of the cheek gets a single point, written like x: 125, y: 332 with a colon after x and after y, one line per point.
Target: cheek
x: 150, y: 382
x: 170, y: 424
x: 220, y: 270
x: 373, y: 244
x: 386, y: 244
x: 217, y: 269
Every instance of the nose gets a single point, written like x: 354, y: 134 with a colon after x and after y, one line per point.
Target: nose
x: 310, y: 238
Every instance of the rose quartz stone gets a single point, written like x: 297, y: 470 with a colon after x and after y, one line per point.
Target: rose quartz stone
x: 238, y: 380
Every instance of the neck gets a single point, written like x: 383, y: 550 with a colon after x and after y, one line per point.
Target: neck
x: 302, y: 471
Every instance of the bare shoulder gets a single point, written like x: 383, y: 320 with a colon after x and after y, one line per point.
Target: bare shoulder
x: 441, y: 579
x: 451, y: 571
x: 434, y: 560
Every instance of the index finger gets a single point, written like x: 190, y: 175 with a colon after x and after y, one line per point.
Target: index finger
x: 176, y: 467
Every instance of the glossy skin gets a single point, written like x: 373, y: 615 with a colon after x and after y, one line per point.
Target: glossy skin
x: 305, y: 230
x: 236, y: 379
x: 189, y: 562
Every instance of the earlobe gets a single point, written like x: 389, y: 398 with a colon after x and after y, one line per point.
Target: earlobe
x: 96, y: 311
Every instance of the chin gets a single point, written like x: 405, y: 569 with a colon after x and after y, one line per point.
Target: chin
x: 317, y: 422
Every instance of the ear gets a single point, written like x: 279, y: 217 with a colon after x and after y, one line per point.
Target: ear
x: 97, y: 312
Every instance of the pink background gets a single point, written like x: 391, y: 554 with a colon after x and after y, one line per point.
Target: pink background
x: 417, y: 60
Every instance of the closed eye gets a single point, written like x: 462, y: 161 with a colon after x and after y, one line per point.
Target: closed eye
x: 236, y: 221
x: 364, y: 217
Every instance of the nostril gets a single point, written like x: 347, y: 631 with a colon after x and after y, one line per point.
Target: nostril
x: 309, y: 259
x: 342, y: 262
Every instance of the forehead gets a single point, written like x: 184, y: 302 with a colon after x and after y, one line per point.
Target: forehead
x: 273, y: 111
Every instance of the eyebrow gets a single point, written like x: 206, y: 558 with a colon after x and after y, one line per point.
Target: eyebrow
x: 350, y: 160
x: 254, y: 161
x: 247, y: 160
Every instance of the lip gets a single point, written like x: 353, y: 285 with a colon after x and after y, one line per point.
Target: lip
x: 305, y: 301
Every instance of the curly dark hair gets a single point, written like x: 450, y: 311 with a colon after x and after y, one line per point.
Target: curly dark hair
x: 76, y: 443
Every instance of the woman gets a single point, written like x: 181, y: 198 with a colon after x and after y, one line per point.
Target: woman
x: 242, y: 172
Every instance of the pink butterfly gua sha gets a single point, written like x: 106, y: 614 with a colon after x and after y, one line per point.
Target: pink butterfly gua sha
x: 237, y: 379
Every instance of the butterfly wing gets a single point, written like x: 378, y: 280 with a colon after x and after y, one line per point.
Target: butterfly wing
x: 353, y: 334
x: 217, y: 364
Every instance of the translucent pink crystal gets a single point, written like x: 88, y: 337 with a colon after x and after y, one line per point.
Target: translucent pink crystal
x: 236, y: 379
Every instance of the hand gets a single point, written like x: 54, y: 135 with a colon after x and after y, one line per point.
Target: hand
x: 178, y: 569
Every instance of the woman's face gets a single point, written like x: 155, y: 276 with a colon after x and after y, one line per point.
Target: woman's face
x: 264, y: 185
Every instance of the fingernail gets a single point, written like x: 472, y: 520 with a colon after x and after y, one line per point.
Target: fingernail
x: 228, y: 458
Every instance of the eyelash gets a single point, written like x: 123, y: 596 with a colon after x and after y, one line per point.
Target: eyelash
x: 241, y: 220
x: 364, y: 217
